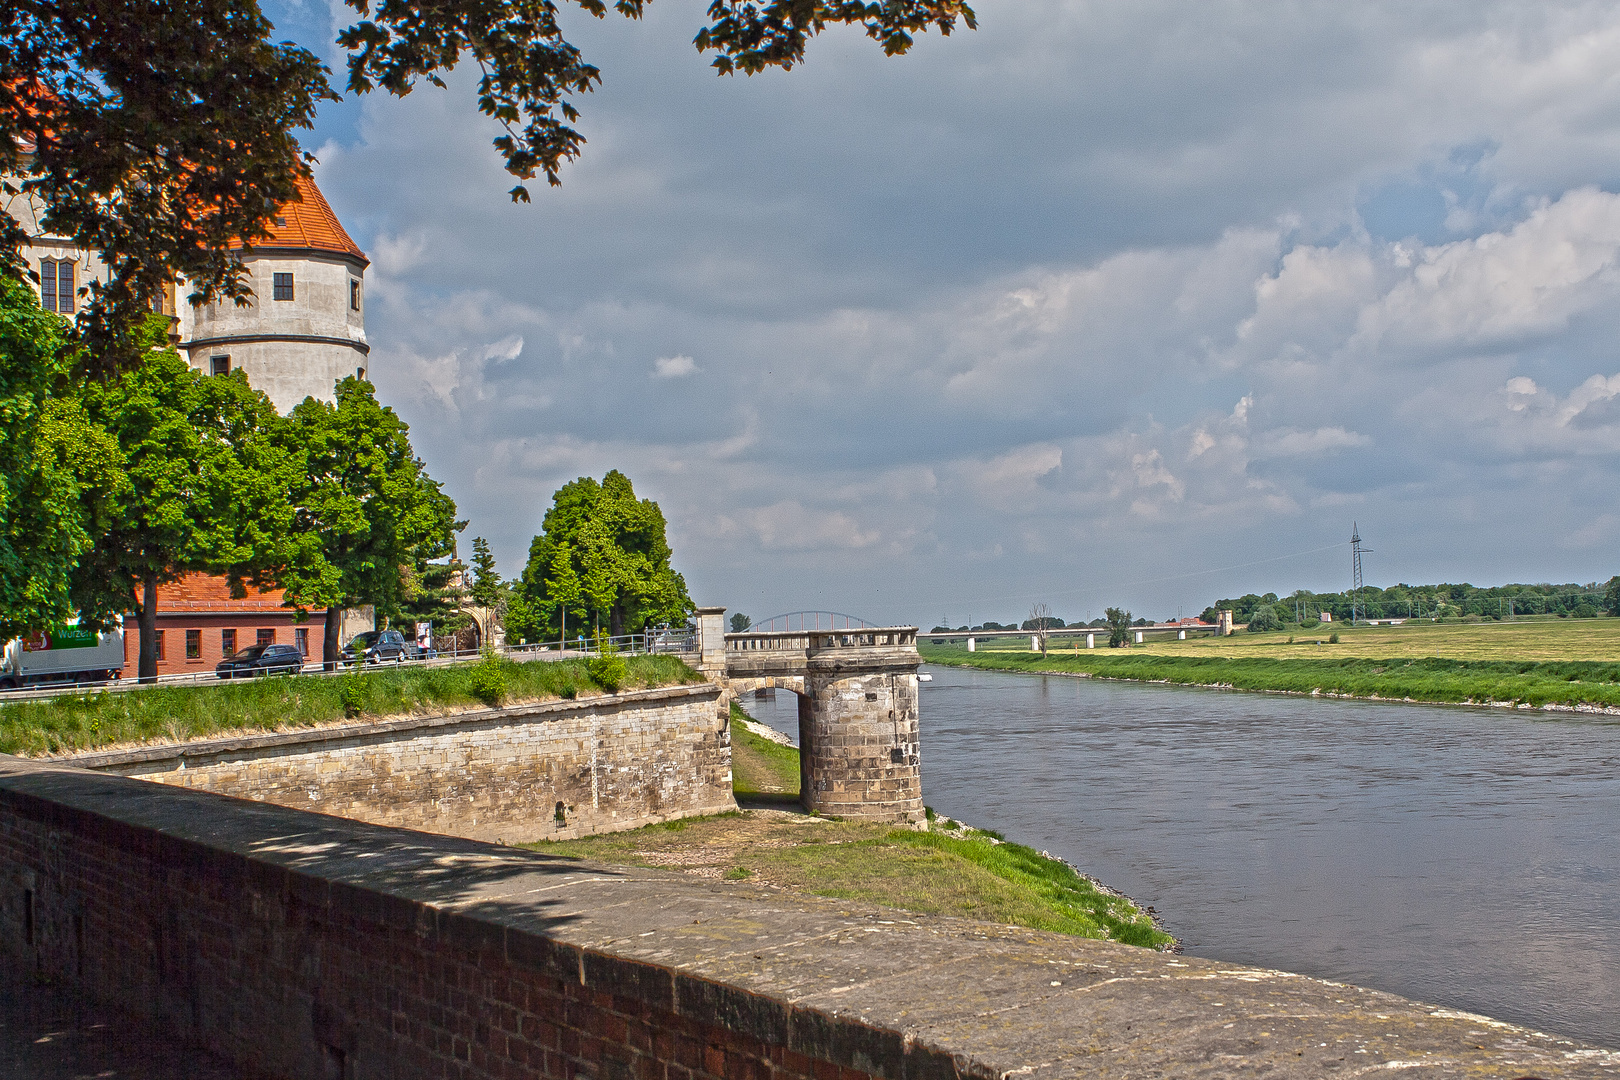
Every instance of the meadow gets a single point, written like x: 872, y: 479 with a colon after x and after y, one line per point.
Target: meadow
x: 1555, y: 662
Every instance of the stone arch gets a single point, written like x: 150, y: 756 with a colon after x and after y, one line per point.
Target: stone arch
x: 858, y: 725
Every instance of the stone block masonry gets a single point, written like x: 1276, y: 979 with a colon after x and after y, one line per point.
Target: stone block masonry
x: 297, y: 945
x: 551, y: 770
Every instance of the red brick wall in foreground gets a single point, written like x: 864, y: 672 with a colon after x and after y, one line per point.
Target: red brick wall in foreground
x: 288, y: 974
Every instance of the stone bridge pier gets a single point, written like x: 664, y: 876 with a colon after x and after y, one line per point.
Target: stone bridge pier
x: 859, y: 755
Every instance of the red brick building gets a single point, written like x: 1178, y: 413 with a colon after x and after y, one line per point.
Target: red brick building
x: 199, y: 624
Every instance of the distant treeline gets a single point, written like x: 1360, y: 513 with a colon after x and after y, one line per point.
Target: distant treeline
x: 1462, y: 601
x: 1052, y: 623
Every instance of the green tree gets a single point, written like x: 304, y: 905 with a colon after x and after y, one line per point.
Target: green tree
x: 488, y: 590
x: 363, y: 503
x: 138, y: 134
x: 431, y: 592
x: 603, y: 555
x: 1611, y: 596
x: 58, y: 471
x: 1264, y: 618
x: 740, y: 622
x: 1119, y: 627
x: 562, y: 587
x: 207, y: 486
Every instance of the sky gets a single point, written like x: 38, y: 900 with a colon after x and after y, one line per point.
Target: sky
x: 1106, y: 303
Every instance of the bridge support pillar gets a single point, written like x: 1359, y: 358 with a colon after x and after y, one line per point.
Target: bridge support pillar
x: 858, y: 743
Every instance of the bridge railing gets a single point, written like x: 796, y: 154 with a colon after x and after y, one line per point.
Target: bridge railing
x: 810, y: 641
x: 811, y: 621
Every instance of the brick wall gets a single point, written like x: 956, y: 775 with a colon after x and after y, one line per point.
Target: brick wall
x: 285, y: 968
x: 297, y: 945
x: 527, y: 772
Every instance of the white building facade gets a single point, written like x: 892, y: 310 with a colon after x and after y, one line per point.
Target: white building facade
x: 301, y: 332
x: 304, y: 329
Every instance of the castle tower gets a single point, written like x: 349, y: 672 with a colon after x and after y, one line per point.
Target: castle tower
x: 304, y: 328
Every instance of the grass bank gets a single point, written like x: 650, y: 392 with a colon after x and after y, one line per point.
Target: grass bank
x: 1536, y: 683
x: 950, y: 869
x: 174, y: 713
x: 760, y: 768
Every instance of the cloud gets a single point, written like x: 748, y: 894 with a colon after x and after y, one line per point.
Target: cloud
x: 674, y: 367
x: 1094, y: 293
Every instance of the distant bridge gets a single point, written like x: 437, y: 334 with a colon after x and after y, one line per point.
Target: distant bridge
x: 857, y: 690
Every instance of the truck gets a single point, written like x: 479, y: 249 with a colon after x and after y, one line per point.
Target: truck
x: 62, y: 654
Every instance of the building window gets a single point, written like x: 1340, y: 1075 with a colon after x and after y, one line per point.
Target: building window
x: 354, y: 295
x: 267, y: 636
x: 160, y: 644
x: 301, y: 637
x: 56, y: 285
x: 360, y: 373
x: 219, y: 365
x: 281, y: 287
x: 227, y: 642
x: 193, y: 644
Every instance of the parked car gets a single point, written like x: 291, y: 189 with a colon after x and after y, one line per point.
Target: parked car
x: 261, y: 660
x: 377, y: 646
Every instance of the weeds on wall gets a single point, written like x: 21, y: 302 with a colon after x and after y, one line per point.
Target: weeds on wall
x: 606, y: 668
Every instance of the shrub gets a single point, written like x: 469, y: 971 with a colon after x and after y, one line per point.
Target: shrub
x: 488, y: 681
x: 1333, y: 639
x: 352, y: 694
x: 606, y: 668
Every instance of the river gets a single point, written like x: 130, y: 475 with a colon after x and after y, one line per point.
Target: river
x: 1466, y: 857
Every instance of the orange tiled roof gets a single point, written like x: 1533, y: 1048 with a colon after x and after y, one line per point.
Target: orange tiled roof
x: 309, y: 223
x: 205, y: 592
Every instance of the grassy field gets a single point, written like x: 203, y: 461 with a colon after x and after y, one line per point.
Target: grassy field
x: 1559, y: 662
x: 948, y: 870
x: 173, y: 713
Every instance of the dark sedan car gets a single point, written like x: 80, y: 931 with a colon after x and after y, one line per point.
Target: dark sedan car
x: 261, y: 660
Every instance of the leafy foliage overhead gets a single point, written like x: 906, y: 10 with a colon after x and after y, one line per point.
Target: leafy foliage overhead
x: 156, y: 132
x: 161, y: 132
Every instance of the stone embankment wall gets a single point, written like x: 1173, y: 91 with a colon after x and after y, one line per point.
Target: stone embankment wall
x: 526, y: 772
x: 298, y: 945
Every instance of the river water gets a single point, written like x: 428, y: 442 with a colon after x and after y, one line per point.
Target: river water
x: 1466, y: 857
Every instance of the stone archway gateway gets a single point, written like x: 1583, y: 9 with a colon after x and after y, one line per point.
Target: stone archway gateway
x: 858, y: 721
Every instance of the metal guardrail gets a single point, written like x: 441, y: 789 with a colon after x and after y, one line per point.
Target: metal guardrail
x: 672, y: 642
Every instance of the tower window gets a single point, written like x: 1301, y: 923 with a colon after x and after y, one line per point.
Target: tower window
x: 354, y: 295
x: 281, y: 287
x: 360, y: 373
x: 56, y: 285
x: 219, y: 365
